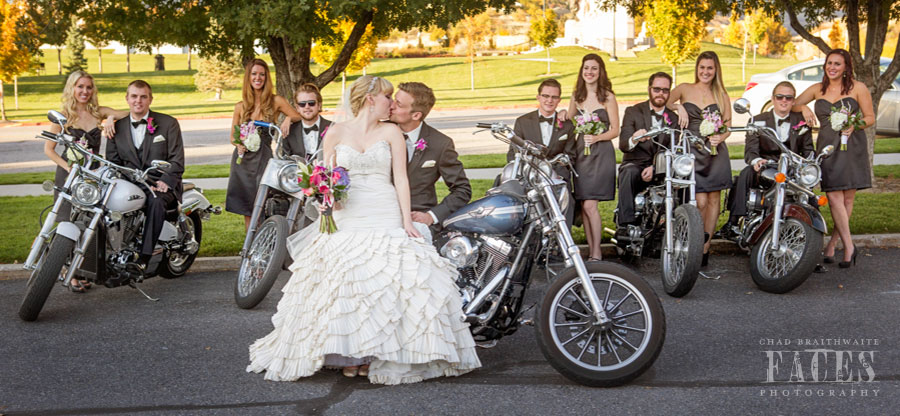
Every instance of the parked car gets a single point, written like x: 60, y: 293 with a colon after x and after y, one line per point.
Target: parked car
x: 802, y: 75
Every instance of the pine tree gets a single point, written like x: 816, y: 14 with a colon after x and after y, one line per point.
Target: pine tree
x: 214, y: 74
x: 75, y: 45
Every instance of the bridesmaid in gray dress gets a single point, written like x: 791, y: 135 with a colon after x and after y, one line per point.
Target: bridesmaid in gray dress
x: 258, y: 102
x: 597, y: 171
x: 713, y: 172
x: 848, y: 170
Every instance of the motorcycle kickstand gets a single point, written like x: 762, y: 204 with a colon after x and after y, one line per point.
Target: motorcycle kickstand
x: 143, y: 293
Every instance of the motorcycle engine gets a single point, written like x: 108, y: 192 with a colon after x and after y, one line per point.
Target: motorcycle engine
x: 476, y: 261
x: 122, y: 234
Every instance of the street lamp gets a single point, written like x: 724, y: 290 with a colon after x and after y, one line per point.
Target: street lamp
x: 613, y: 57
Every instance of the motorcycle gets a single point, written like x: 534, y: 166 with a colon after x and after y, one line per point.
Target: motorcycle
x: 276, y: 215
x: 102, y: 238
x: 599, y: 324
x: 783, y: 229
x: 668, y: 221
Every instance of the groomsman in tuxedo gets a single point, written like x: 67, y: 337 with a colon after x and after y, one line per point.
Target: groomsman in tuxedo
x: 430, y: 155
x: 636, y: 170
x: 140, y: 138
x: 758, y: 150
x: 543, y: 127
x: 305, y: 140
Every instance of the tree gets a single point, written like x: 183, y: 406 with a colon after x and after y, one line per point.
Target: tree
x: 874, y: 16
x: 733, y: 35
x: 96, y: 29
x: 75, y: 45
x: 15, y: 55
x: 544, y: 31
x: 52, y: 20
x: 758, y: 22
x: 215, y: 74
x: 836, y: 37
x: 677, y: 26
x: 327, y: 52
x: 473, y: 29
x: 776, y: 40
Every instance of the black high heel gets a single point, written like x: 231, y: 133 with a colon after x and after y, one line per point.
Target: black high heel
x: 827, y: 259
x: 852, y: 262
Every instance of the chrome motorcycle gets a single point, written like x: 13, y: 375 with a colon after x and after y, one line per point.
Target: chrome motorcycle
x: 101, y: 240
x: 599, y: 323
x: 783, y: 229
x: 669, y: 223
x: 277, y: 213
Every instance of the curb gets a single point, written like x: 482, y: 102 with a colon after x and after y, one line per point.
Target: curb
x: 232, y: 263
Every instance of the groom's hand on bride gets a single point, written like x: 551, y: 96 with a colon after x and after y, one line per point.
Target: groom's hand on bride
x: 411, y: 230
x: 423, y: 217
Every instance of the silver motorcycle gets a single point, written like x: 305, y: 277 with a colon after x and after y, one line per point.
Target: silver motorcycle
x: 102, y: 238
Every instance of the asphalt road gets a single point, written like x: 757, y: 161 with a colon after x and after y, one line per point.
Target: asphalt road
x: 111, y: 351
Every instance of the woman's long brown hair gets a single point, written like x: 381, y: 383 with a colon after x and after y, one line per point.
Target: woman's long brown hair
x: 266, y: 96
x: 604, y: 86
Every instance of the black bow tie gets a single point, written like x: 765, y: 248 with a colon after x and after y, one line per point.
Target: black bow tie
x: 656, y: 116
x: 542, y: 119
x: 782, y: 121
x: 314, y: 127
x: 138, y: 123
x: 405, y: 137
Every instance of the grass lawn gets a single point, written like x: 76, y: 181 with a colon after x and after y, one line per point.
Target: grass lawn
x: 499, y: 80
x: 223, y: 235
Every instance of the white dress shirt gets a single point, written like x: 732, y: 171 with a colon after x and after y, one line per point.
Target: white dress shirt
x: 546, y: 129
x: 138, y: 133
x: 412, y: 137
x: 655, y: 123
x: 311, y: 139
x: 784, y: 131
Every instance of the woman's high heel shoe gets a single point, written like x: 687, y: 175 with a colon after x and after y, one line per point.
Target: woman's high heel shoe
x: 852, y: 262
x: 827, y: 259
x: 705, y: 261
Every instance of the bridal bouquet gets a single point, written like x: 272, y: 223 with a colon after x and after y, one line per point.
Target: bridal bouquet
x: 246, y: 134
x: 328, y: 185
x: 712, y: 124
x: 842, y: 118
x: 588, y: 124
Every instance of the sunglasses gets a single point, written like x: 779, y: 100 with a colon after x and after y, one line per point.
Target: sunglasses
x: 658, y: 90
x: 782, y: 97
x: 311, y: 103
x: 549, y: 97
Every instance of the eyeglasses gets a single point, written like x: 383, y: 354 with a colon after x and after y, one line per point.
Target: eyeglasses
x: 549, y: 97
x: 311, y: 103
x: 783, y: 97
x: 658, y: 90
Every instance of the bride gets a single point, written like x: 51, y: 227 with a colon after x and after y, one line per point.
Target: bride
x: 374, y: 297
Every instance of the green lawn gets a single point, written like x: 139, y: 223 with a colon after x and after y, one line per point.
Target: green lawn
x: 223, y: 235
x: 499, y: 80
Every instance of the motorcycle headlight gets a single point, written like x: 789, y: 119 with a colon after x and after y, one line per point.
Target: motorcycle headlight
x: 809, y: 175
x: 459, y: 251
x: 86, y: 193
x: 509, y: 172
x: 287, y: 178
x: 683, y: 165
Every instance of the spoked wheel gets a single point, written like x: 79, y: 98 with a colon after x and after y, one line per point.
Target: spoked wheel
x: 783, y: 269
x: 601, y: 355
x: 681, y: 264
x: 178, y: 263
x: 262, y: 263
x: 44, y: 276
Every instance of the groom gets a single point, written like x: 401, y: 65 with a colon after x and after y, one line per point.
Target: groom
x: 430, y: 155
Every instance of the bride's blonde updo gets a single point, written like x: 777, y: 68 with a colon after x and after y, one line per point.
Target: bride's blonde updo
x: 367, y: 85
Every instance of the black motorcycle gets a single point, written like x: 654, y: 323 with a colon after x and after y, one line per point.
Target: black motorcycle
x: 599, y: 323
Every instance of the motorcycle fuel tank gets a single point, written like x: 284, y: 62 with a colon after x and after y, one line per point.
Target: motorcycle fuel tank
x: 125, y: 197
x: 496, y: 214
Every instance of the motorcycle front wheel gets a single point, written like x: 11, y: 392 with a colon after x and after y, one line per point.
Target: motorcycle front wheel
x: 594, y: 355
x: 781, y: 270
x: 262, y: 263
x: 681, y: 264
x: 177, y: 264
x: 44, y: 276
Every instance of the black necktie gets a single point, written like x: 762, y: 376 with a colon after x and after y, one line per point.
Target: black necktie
x: 314, y: 127
x: 542, y: 119
x: 782, y: 121
x: 138, y: 123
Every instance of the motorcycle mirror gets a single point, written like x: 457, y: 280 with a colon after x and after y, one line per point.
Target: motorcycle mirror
x: 160, y: 164
x: 56, y: 117
x: 47, y: 186
x: 741, y: 106
x: 828, y: 150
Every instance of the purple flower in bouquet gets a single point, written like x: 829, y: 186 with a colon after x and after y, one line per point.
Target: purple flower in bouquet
x: 712, y: 124
x: 328, y: 185
x: 588, y: 124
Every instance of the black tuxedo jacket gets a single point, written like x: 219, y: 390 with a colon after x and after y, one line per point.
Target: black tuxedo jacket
x: 639, y: 116
x: 758, y: 146
x: 438, y: 160
x: 165, y: 143
x: 562, y: 140
x: 293, y: 142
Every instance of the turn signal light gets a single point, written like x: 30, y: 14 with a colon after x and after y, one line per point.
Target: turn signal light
x: 823, y: 200
x: 780, y: 177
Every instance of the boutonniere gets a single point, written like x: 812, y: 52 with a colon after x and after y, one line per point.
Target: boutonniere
x: 421, y: 145
x: 558, y: 123
x: 801, y: 127
x: 666, y: 119
x: 325, y: 130
x: 151, y: 125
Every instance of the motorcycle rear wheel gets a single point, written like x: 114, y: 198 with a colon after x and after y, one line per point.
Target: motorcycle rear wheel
x: 262, y: 263
x: 44, y: 276
x: 601, y: 356
x: 681, y: 267
x: 781, y: 271
x: 177, y: 264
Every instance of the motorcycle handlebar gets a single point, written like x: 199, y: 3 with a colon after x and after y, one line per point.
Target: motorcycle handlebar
x: 258, y: 123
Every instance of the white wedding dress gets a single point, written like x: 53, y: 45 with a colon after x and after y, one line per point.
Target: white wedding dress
x: 367, y: 293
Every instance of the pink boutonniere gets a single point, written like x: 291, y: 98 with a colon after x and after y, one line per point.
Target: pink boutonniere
x: 151, y: 126
x: 421, y: 145
x: 666, y: 118
x: 558, y: 123
x: 800, y: 127
x: 325, y: 130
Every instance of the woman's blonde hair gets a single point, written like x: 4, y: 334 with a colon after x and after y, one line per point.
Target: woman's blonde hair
x: 69, y: 103
x: 266, y: 96
x: 718, y: 86
x: 367, y: 85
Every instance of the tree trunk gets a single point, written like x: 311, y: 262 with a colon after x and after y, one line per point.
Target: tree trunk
x: 189, y: 58
x: 218, y: 94
x: 127, y: 58
x: 548, y: 60
x: 58, y: 62
x: 343, y: 83
x: 472, y: 73
x: 16, y: 90
x: 100, y: 59
x: 674, y: 75
x: 2, y: 104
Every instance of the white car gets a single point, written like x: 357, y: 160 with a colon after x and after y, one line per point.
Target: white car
x: 803, y: 75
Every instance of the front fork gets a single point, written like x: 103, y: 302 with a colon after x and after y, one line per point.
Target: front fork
x: 38, y: 245
x: 86, y: 238
x: 573, y: 254
x: 779, y: 205
x: 254, y: 219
